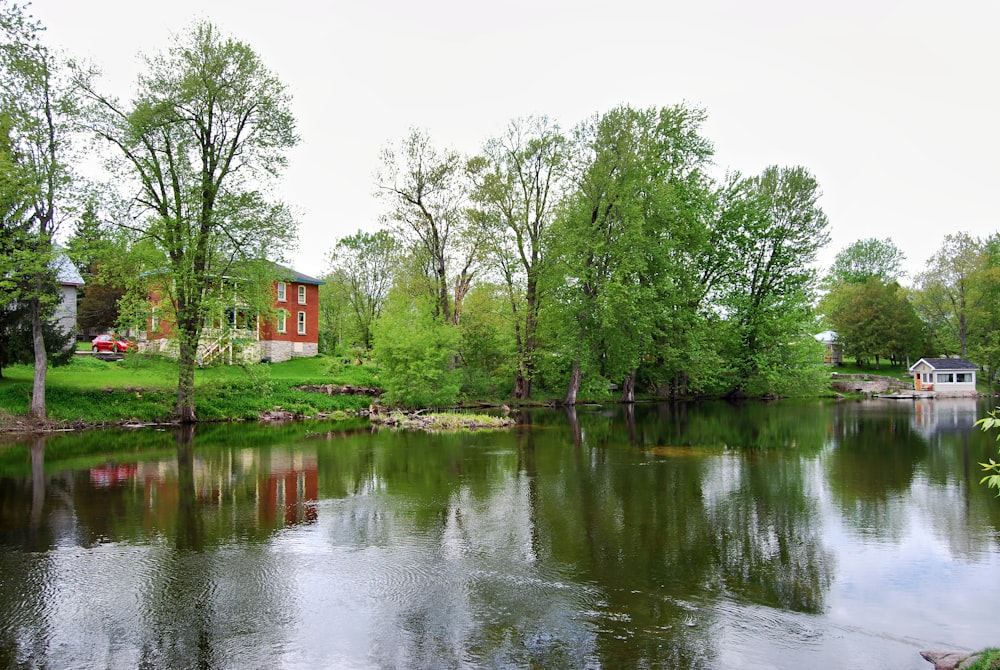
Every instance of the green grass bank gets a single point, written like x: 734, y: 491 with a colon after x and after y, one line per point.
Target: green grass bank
x: 142, y: 388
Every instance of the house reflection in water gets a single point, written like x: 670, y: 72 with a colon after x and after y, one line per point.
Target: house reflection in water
x: 289, y: 491
x: 268, y: 490
x: 933, y: 418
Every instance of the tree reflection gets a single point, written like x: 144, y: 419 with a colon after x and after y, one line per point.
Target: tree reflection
x: 873, y: 462
x: 768, y: 539
x: 583, y: 538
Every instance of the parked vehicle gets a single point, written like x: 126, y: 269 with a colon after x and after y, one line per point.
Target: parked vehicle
x: 110, y: 343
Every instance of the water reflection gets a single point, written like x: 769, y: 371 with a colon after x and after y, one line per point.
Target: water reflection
x: 762, y: 535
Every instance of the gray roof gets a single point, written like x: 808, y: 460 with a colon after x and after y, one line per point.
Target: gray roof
x: 66, y: 272
x: 947, y: 364
x: 297, y: 277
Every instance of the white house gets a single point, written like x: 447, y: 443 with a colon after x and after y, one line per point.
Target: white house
x: 834, y: 352
x: 945, y: 376
x: 70, y: 282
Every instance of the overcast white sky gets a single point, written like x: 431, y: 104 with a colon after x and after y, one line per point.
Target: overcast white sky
x: 893, y: 105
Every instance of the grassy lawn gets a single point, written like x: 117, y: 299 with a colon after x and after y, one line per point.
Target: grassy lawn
x: 143, y: 388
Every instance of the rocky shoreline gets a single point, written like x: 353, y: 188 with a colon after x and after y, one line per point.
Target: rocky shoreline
x: 950, y: 660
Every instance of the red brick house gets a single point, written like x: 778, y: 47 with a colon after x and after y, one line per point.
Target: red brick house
x: 236, y: 335
x: 295, y: 331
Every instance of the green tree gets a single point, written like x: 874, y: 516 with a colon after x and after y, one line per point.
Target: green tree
x: 519, y: 181
x: 984, y: 321
x: 37, y: 106
x: 874, y: 319
x: 102, y: 258
x: 870, y: 257
x: 417, y: 352
x: 487, y: 350
x: 207, y: 130
x: 363, y: 265
x: 625, y: 235
x: 951, y: 291
x: 426, y: 191
x: 781, y: 228
x: 336, y: 330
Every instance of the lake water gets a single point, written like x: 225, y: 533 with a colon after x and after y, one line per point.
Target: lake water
x: 781, y: 535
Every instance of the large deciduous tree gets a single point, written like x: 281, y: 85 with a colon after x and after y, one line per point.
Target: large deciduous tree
x: 519, y: 181
x: 427, y: 191
x: 871, y: 257
x: 781, y: 229
x: 950, y: 292
x: 206, y: 131
x: 874, y: 319
x: 36, y: 107
x: 627, y: 237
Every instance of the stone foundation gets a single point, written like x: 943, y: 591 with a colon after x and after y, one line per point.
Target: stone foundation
x: 278, y: 352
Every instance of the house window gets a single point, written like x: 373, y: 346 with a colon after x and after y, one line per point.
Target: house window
x: 282, y: 318
x: 302, y: 323
x: 302, y: 295
x: 282, y: 292
x: 945, y: 378
x: 963, y: 377
x: 154, y: 320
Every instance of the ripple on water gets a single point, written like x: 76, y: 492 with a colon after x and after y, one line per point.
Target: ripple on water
x: 404, y: 572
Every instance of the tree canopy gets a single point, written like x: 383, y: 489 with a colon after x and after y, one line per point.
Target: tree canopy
x: 200, y: 141
x: 867, y: 258
x: 37, y: 107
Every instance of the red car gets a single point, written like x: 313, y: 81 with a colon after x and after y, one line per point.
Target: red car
x: 112, y: 344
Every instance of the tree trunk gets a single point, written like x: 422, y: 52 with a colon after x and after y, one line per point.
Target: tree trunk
x: 628, y: 388
x: 522, y: 386
x: 188, y: 343
x: 526, y: 368
x: 574, y: 384
x: 41, y: 361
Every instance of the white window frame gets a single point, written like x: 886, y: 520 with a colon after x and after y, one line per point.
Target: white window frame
x: 282, y: 321
x: 302, y: 323
x: 302, y: 294
x: 282, y: 292
x: 963, y: 377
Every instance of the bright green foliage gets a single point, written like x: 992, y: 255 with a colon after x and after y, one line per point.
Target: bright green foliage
x: 780, y: 229
x: 952, y: 290
x: 488, y: 353
x: 417, y: 353
x: 623, y: 265
x: 988, y: 659
x: 868, y: 258
x: 337, y: 334
x: 626, y: 236
x: 108, y: 265
x: 362, y: 267
x: 206, y: 130
x: 519, y: 181
x: 426, y: 192
x: 993, y: 480
x: 984, y: 322
x: 37, y: 107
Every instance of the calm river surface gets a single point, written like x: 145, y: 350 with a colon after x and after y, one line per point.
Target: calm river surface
x: 783, y: 535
